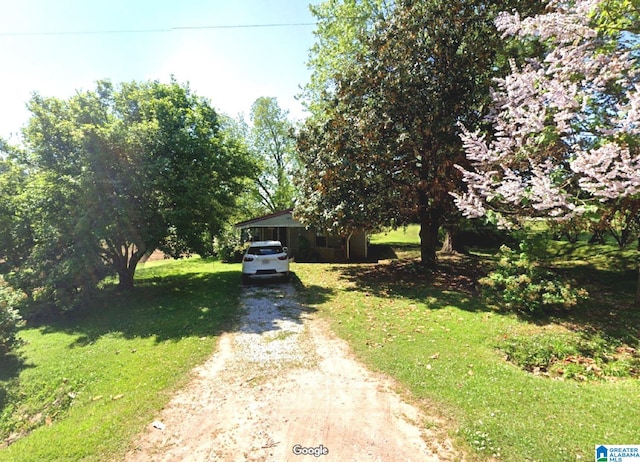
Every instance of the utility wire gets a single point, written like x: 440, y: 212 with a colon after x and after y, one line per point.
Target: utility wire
x: 154, y: 31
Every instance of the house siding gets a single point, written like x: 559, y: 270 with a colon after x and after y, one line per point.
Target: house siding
x: 303, y: 243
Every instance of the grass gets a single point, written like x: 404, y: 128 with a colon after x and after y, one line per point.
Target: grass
x: 84, y: 385
x: 442, y: 343
x: 407, y: 236
x: 402, y: 242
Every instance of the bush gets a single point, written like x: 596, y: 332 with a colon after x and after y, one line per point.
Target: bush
x: 10, y: 319
x: 229, y: 246
x: 518, y: 283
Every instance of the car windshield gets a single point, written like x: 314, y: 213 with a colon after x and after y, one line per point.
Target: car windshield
x: 267, y: 250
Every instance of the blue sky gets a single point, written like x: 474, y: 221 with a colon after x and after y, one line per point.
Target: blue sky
x: 42, y: 51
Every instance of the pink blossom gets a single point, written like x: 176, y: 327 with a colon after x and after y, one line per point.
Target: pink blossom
x: 547, y: 138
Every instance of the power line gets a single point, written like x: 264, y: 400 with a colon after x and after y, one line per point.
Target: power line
x: 247, y: 26
x: 153, y: 31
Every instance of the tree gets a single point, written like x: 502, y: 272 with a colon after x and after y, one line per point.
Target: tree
x: 342, y: 29
x: 15, y: 237
x: 384, y: 151
x: 116, y: 173
x: 565, y: 127
x: 271, y: 142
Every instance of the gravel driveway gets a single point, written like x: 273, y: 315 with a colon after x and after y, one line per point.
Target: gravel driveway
x: 284, y: 388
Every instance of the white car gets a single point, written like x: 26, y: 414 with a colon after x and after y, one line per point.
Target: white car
x: 265, y: 259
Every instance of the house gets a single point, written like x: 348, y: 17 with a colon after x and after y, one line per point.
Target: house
x: 304, y: 243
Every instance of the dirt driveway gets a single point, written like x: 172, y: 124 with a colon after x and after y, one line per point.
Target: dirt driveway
x: 284, y: 384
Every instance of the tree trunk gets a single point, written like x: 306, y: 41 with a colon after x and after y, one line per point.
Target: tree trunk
x: 125, y: 279
x: 448, y: 246
x: 638, y: 288
x: 126, y: 268
x: 429, y: 226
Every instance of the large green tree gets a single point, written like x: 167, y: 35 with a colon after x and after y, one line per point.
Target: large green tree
x: 15, y: 236
x: 341, y: 32
x: 116, y: 173
x: 273, y: 146
x: 383, y: 152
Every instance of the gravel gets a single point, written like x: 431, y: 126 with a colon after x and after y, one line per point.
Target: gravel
x: 272, y: 327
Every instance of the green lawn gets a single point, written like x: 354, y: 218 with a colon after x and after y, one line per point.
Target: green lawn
x: 442, y: 344
x: 405, y: 236
x: 87, y: 384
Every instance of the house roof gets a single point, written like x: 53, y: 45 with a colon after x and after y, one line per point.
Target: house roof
x: 283, y: 218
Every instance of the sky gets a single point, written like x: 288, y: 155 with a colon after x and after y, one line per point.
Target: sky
x: 57, y: 47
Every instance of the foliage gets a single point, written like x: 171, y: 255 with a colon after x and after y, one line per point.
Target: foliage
x: 342, y: 28
x: 15, y: 237
x: 247, y: 202
x: 10, y: 319
x: 114, y: 174
x: 615, y: 16
x: 470, y: 234
x: 383, y: 149
x: 229, y: 246
x: 564, y: 139
x: 520, y: 284
x: 565, y: 127
x: 112, y: 367
x: 622, y: 220
x: 271, y: 142
x: 572, y: 356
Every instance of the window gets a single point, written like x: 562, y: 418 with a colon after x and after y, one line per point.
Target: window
x: 267, y: 250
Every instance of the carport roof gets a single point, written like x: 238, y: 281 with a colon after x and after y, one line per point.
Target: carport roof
x: 283, y: 218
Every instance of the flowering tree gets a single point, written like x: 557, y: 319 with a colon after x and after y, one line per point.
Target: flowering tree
x: 383, y: 151
x: 565, y: 127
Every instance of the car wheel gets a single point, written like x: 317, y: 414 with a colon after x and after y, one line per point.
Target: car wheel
x: 287, y: 276
x: 245, y: 279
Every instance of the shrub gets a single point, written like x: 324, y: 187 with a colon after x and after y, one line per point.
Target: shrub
x: 518, y: 283
x: 229, y: 246
x: 10, y: 319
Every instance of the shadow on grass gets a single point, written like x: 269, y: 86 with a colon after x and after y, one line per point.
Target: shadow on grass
x: 166, y: 308
x: 609, y: 313
x: 172, y: 307
x: 453, y: 283
x: 10, y: 367
x: 313, y: 294
x: 382, y: 252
